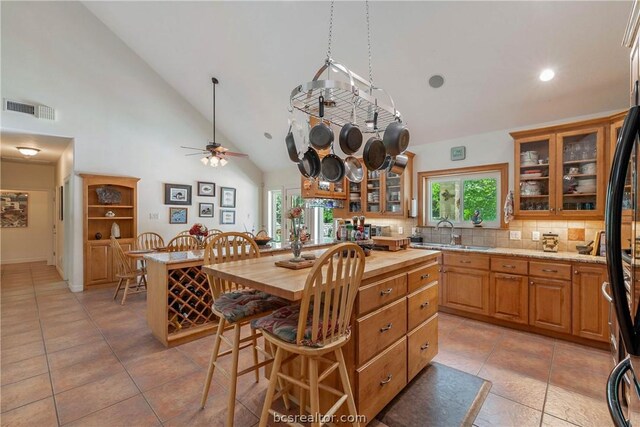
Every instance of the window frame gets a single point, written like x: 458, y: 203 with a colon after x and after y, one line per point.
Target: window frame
x: 424, y: 191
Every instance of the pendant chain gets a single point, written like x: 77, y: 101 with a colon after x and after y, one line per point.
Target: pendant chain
x: 330, y: 31
x: 366, y: 3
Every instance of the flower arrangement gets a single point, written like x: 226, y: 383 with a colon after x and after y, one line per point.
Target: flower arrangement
x: 199, y: 230
x: 295, y: 215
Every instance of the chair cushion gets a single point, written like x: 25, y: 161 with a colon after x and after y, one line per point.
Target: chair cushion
x: 237, y: 305
x: 283, y: 323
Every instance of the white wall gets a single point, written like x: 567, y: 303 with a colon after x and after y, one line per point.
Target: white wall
x: 63, y: 172
x: 34, y: 242
x: 124, y: 119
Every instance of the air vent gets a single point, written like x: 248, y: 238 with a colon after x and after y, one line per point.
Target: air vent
x: 39, y: 111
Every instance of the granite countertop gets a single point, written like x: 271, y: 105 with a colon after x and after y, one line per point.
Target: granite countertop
x: 524, y: 253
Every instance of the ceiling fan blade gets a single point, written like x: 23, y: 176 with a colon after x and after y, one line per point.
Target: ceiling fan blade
x: 191, y: 148
x: 203, y: 153
x: 221, y: 149
x: 232, y: 154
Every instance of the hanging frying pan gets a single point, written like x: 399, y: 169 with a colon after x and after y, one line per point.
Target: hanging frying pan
x: 333, y: 168
x: 353, y: 169
x: 292, y: 150
x: 321, y: 135
x: 309, y: 165
x: 374, y: 153
x: 350, y: 136
x: 396, y: 138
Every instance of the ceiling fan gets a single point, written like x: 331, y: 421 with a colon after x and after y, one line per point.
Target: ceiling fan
x: 214, y: 153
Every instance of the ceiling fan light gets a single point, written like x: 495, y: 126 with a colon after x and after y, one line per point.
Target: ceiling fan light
x: 205, y: 160
x: 28, y: 151
x: 223, y: 161
x: 214, y: 161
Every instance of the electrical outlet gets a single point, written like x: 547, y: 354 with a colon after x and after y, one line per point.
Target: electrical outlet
x: 535, y: 236
x: 153, y: 215
x: 400, y: 230
x: 515, y: 235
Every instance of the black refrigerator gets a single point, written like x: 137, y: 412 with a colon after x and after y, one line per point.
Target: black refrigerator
x: 623, y: 262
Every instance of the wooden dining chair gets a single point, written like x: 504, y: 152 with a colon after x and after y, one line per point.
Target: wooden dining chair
x: 212, y: 233
x: 317, y: 327
x: 149, y: 240
x: 127, y: 275
x: 182, y: 243
x: 184, y: 233
x: 235, y: 306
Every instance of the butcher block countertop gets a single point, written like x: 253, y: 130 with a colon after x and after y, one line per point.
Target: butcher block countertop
x: 261, y: 273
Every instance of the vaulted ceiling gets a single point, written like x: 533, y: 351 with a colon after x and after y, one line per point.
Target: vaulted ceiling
x: 490, y: 54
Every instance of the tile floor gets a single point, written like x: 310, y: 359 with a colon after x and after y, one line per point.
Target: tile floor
x: 84, y: 360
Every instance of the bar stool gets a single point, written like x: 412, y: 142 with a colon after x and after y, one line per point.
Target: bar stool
x: 235, y: 307
x: 315, y: 328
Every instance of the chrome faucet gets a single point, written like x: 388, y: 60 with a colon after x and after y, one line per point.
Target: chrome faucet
x: 454, y: 239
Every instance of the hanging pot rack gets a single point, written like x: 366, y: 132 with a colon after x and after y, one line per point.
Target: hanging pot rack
x: 343, y: 97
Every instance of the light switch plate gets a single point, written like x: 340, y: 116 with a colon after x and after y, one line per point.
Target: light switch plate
x: 515, y: 235
x: 153, y: 216
x: 535, y: 236
x: 400, y: 230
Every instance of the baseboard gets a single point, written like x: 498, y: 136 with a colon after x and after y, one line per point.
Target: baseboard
x: 60, y: 272
x: 74, y: 288
x: 23, y: 260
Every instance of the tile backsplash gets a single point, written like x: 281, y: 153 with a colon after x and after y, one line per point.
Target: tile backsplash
x: 570, y: 233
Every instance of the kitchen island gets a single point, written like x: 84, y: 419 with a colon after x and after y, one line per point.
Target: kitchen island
x: 178, y: 296
x: 395, y: 322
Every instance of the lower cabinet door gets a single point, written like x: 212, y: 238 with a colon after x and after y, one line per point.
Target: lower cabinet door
x: 550, y: 304
x: 590, y: 309
x: 466, y: 289
x: 98, y: 264
x: 422, y: 346
x: 381, y: 379
x: 509, y: 297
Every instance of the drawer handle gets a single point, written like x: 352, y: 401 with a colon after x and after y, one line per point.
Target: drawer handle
x: 424, y: 304
x: 386, y: 292
x: 512, y: 278
x: 465, y: 261
x: 508, y: 266
x: 386, y: 328
x: 387, y: 380
x: 549, y: 270
x: 425, y: 346
x: 425, y: 276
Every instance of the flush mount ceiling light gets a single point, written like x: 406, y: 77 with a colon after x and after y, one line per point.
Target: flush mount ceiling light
x: 547, y: 74
x: 268, y: 135
x: 28, y: 151
x: 436, y: 81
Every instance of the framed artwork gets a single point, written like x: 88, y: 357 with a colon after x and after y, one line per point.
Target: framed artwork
x: 227, y: 216
x: 207, y: 189
x: 177, y: 215
x: 15, y: 207
x: 205, y: 210
x: 227, y: 197
x: 61, y: 203
x: 176, y: 194
x: 458, y: 153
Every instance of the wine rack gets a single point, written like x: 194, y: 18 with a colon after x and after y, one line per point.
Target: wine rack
x: 189, y: 299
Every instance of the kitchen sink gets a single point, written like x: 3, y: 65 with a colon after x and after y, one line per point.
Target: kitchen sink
x: 446, y: 246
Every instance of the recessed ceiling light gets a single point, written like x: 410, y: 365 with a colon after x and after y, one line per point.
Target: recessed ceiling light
x: 436, y: 81
x: 267, y: 135
x: 547, y: 74
x: 28, y: 151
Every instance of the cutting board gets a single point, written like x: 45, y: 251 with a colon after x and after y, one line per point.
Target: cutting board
x: 393, y: 244
x: 296, y: 265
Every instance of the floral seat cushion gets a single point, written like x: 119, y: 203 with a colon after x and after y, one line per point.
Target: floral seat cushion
x: 283, y: 323
x: 237, y: 305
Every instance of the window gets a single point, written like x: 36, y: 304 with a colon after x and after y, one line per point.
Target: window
x: 457, y: 194
x: 275, y: 215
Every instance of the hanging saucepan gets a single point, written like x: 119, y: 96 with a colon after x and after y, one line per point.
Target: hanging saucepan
x: 332, y: 168
x: 309, y: 165
x: 350, y: 136
x: 398, y: 164
x: 321, y: 135
x: 292, y: 150
x: 353, y: 169
x: 386, y: 165
x: 396, y: 138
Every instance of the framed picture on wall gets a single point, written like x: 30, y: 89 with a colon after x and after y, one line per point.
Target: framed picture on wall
x: 227, y: 216
x: 205, y: 210
x: 177, y: 215
x: 227, y: 197
x: 15, y: 207
x: 206, y: 189
x: 177, y: 194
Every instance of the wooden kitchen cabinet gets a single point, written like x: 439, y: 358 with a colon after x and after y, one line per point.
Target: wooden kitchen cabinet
x: 509, y: 297
x: 318, y: 189
x: 590, y: 309
x: 466, y: 289
x: 550, y: 304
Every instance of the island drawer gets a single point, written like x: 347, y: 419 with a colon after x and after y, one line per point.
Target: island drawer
x: 381, y: 379
x: 422, y: 346
x: 423, y: 275
x: 380, y: 293
x: 480, y: 262
x: 510, y: 266
x: 421, y: 305
x: 379, y: 329
x: 550, y: 270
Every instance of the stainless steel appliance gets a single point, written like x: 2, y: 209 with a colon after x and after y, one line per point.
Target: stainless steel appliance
x: 623, y: 259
